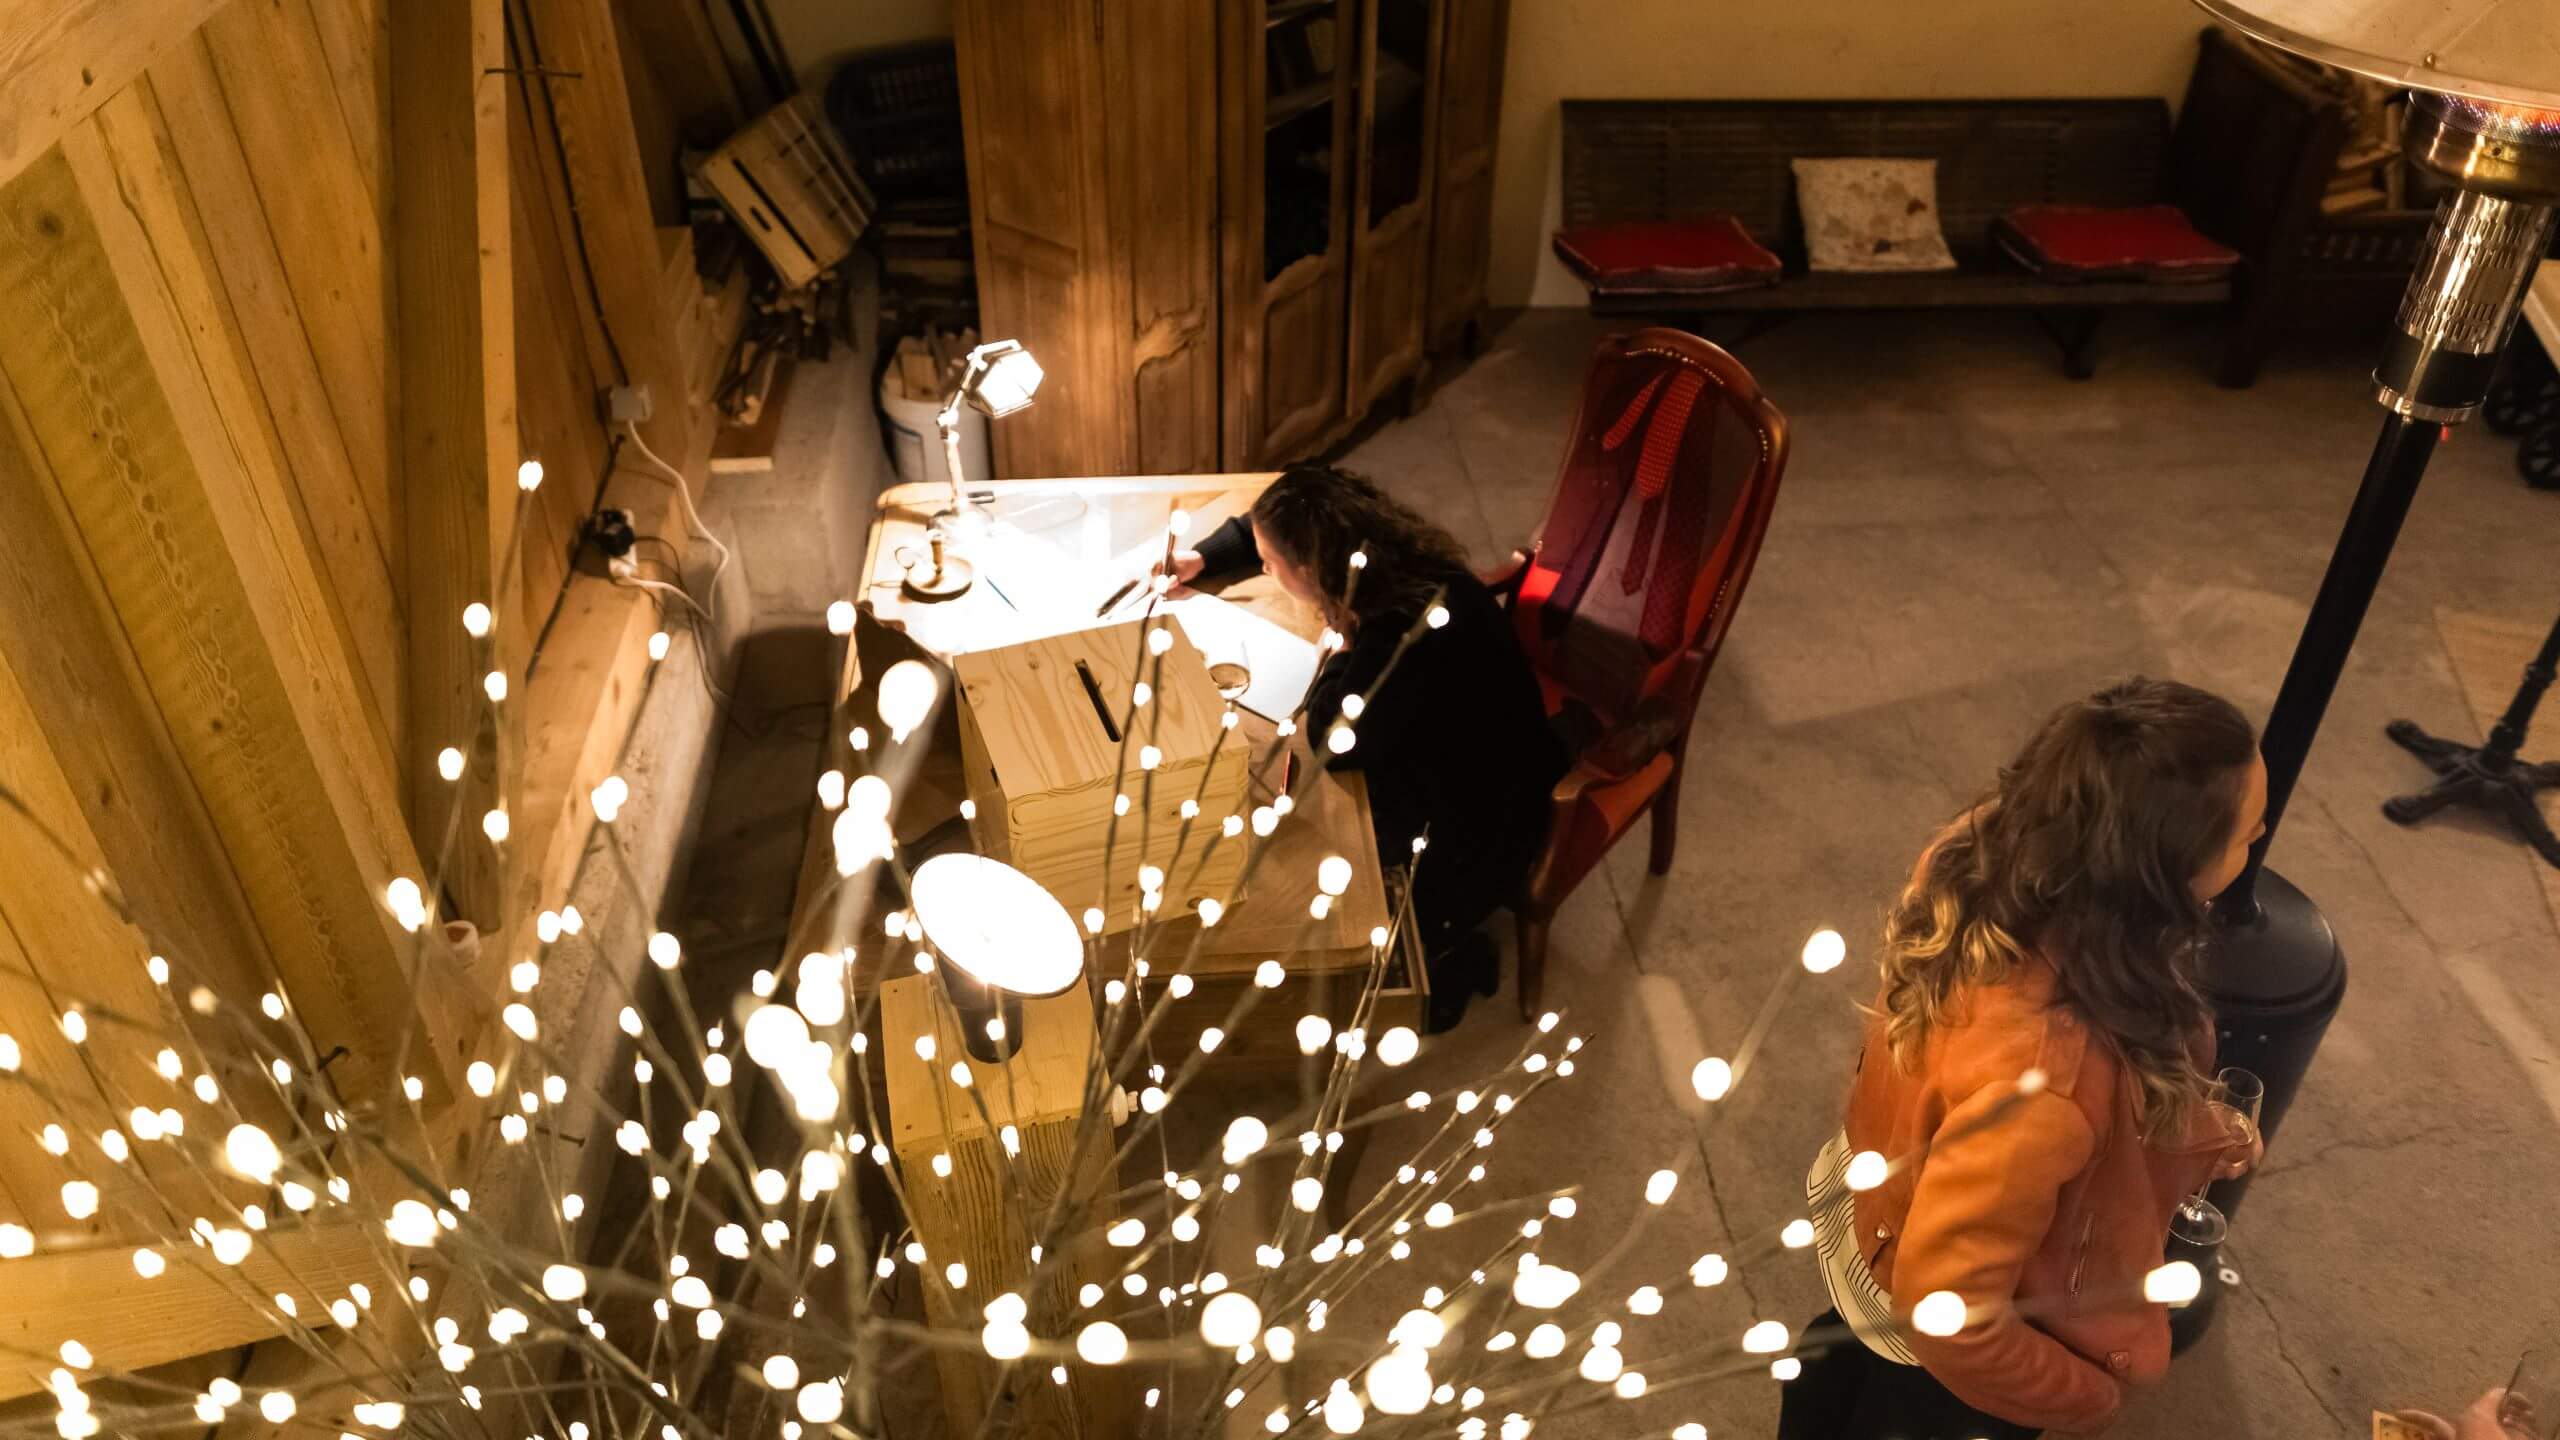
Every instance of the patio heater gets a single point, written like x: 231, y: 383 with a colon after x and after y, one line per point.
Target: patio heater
x: 2484, y: 115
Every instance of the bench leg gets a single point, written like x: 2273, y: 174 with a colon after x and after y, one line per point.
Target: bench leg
x: 2076, y: 331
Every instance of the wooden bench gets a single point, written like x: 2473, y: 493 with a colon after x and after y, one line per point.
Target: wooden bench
x: 1686, y: 159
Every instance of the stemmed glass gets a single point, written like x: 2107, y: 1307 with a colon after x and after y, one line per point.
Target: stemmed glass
x: 2235, y: 1100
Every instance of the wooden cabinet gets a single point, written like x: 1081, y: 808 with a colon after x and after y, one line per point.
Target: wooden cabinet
x: 1217, y: 222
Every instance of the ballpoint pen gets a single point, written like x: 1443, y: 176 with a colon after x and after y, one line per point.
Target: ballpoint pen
x: 1116, y: 597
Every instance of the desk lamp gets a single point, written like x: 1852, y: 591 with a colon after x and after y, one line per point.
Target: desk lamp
x: 2484, y: 117
x: 1003, y: 936
x: 1001, y: 377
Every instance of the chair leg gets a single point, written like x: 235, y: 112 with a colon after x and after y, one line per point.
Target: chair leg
x: 1531, y: 923
x: 1666, y: 822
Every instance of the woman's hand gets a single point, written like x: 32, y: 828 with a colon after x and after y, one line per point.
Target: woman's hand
x: 1186, y: 568
x: 2480, y: 1422
x: 2240, y: 1160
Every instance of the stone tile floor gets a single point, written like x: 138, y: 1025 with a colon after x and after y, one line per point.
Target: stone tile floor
x: 1965, y: 539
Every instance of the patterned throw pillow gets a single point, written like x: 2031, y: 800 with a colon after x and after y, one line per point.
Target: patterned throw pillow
x: 1869, y: 215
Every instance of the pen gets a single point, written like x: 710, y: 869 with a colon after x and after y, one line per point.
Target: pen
x: 1116, y: 597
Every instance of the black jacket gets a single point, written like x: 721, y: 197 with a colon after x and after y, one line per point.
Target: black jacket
x: 1455, y: 741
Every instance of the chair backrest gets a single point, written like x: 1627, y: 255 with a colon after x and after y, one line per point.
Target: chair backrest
x: 1683, y: 159
x: 1669, y: 475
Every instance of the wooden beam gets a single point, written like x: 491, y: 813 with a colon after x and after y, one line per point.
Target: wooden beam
x: 590, y: 101
x: 95, y: 1297
x: 201, y: 191
x: 678, y: 43
x: 453, y: 286
x: 61, y: 59
x: 137, y: 417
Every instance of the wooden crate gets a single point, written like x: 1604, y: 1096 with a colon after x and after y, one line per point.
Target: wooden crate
x: 1038, y: 735
x: 985, y: 1213
x: 792, y: 189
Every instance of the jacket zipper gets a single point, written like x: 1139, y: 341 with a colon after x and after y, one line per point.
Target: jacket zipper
x: 2080, y: 1261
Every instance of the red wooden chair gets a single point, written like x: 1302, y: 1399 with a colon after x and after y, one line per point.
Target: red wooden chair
x: 1622, y: 600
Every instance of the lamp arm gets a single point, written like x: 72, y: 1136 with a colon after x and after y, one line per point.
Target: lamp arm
x: 947, y: 420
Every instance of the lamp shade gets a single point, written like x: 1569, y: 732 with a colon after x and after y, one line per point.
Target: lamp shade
x: 2500, y: 52
x: 997, y: 924
x: 1007, y: 377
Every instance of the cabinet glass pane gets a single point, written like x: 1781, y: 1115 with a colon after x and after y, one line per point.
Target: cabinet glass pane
x: 1301, y: 52
x: 1404, y: 58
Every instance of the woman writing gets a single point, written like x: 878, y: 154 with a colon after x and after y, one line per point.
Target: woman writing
x: 1454, y: 744
x: 2053, y: 929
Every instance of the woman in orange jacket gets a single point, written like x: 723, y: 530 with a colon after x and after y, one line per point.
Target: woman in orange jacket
x: 2035, y: 1067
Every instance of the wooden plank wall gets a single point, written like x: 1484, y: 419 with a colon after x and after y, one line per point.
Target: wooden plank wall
x: 207, y: 654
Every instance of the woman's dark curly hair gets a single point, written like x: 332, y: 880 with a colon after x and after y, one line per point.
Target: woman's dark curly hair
x: 2084, y: 853
x: 1318, y: 516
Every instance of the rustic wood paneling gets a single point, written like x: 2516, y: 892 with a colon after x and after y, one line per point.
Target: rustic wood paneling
x: 174, y: 500
x: 276, y: 83
x: 342, y: 512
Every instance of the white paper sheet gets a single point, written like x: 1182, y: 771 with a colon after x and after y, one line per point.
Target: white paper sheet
x: 1281, y: 664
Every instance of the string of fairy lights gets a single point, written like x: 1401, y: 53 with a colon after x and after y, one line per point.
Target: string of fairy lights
x: 750, y: 1294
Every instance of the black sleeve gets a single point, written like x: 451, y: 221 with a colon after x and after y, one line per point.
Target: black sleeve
x: 1388, y: 711
x: 1228, y: 549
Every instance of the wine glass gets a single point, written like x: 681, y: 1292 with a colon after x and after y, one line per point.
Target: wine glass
x: 2235, y: 1100
x: 2528, y: 1409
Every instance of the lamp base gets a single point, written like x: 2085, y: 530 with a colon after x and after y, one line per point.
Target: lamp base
x: 2275, y: 980
x: 947, y: 581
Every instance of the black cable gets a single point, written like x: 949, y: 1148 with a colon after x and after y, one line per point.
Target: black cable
x: 529, y: 54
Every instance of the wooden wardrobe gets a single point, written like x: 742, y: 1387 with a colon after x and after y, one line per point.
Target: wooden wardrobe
x: 1228, y: 229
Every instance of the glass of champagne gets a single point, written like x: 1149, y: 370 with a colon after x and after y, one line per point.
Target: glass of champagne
x: 2530, y: 1410
x: 2235, y: 1099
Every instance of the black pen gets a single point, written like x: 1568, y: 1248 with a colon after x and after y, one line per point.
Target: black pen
x: 1116, y: 597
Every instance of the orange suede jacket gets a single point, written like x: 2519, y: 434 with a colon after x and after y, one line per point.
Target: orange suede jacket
x: 2044, y: 1215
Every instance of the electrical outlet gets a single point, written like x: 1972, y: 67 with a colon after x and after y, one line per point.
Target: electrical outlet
x: 627, y: 403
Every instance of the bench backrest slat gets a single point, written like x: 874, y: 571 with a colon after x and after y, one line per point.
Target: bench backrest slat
x: 1679, y: 159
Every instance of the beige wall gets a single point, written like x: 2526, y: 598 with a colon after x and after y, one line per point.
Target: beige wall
x: 1795, y: 49
x: 819, y: 34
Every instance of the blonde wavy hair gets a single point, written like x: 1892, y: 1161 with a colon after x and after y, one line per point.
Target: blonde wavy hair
x: 2084, y: 853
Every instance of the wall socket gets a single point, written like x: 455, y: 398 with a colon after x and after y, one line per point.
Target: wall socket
x: 626, y: 404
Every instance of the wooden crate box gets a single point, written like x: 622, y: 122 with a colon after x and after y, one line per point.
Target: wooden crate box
x: 792, y: 189
x: 1039, y: 735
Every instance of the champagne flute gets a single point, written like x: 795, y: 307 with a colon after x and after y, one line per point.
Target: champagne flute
x: 2530, y: 1410
x: 2236, y: 1098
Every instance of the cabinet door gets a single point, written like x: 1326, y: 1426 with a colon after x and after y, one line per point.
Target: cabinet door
x: 1471, y: 55
x: 1391, y: 208
x: 1030, y: 88
x: 1287, y: 100
x: 1161, y: 91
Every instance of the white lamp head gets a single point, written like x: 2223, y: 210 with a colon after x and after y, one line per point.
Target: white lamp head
x: 1004, y: 377
x: 996, y: 924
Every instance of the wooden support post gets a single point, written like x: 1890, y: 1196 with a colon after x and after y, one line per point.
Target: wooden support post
x: 135, y: 412
x: 590, y: 104
x: 128, y: 1323
x: 59, y: 61
x: 976, y: 1217
x: 453, y: 284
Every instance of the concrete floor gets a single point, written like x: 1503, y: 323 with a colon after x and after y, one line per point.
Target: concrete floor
x: 1965, y: 539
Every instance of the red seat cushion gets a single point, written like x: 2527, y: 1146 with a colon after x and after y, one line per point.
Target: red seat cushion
x: 2094, y: 242
x: 1654, y: 256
